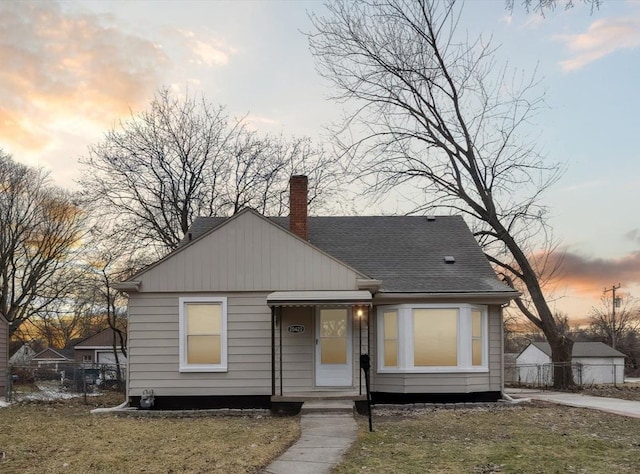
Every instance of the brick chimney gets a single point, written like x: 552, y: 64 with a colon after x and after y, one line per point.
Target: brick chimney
x: 298, y: 206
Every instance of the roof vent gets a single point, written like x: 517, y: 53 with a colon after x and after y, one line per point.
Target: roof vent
x: 431, y: 218
x: 449, y: 259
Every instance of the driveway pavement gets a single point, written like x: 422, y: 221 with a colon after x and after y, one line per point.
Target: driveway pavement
x: 610, y: 405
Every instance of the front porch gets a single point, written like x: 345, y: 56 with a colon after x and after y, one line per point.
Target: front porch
x: 317, y: 338
x: 319, y: 402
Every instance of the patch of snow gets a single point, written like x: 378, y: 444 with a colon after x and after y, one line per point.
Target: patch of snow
x: 49, y: 393
x: 3, y: 404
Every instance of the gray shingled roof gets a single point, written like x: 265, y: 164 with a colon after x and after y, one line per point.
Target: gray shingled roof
x: 584, y: 349
x: 405, y: 252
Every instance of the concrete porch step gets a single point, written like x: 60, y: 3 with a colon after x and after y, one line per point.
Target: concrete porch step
x: 327, y: 407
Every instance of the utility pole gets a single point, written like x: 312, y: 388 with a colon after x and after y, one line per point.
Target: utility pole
x: 613, y: 313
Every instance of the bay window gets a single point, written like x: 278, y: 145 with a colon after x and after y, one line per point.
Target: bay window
x: 432, y: 338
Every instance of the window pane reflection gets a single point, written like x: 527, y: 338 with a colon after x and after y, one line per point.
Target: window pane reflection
x: 334, y: 351
x: 390, y: 353
x: 435, y: 337
x: 390, y: 339
x: 204, y: 328
x: 333, y: 323
x: 203, y: 349
x: 476, y: 336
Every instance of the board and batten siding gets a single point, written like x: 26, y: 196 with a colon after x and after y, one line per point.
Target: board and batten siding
x: 453, y: 382
x: 4, y: 355
x: 248, y: 253
x: 154, y: 348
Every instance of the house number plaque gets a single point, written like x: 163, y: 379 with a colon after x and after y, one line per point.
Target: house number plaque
x: 295, y: 328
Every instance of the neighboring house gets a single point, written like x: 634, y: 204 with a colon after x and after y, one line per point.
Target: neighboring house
x: 593, y: 363
x: 4, y: 355
x: 510, y: 370
x: 98, y: 349
x: 23, y: 355
x: 255, y: 312
x: 50, y: 359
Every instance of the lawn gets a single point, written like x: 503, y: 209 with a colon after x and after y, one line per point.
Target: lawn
x: 626, y: 391
x: 62, y: 436
x: 533, y: 438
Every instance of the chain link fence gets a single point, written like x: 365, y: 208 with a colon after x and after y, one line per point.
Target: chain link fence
x: 542, y: 375
x: 60, y: 380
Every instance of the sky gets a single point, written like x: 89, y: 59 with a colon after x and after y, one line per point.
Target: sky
x: 71, y: 70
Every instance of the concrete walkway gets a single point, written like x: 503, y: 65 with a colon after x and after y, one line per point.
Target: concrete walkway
x: 325, y: 438
x: 610, y: 405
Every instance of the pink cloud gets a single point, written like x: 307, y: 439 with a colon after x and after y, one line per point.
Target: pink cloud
x: 589, y: 276
x: 60, y: 67
x: 601, y: 39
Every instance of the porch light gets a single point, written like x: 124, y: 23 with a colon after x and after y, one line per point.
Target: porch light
x: 359, y: 313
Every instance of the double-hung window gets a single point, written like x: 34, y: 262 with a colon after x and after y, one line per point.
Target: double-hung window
x: 203, y: 334
x: 424, y: 338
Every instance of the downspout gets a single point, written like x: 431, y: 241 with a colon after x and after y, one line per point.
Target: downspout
x: 279, y: 317
x: 360, y: 315
x: 273, y: 351
x: 504, y: 397
x: 124, y: 405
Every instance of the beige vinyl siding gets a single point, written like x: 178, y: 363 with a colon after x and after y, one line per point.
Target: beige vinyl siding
x: 154, y: 347
x: 4, y: 355
x: 297, y: 350
x: 248, y: 253
x: 458, y: 382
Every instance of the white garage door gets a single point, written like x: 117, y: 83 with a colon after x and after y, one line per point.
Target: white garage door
x: 109, y: 358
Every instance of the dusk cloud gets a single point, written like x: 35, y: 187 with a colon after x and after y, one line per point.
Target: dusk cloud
x: 207, y: 51
x: 603, y: 37
x: 633, y: 235
x: 63, y: 70
x: 590, y: 276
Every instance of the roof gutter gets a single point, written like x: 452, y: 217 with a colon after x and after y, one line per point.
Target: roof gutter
x: 495, y: 298
x: 127, y: 286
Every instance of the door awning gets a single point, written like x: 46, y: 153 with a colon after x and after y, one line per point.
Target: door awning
x: 319, y: 298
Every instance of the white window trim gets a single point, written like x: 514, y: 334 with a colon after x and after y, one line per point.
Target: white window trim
x: 186, y: 367
x: 405, y: 339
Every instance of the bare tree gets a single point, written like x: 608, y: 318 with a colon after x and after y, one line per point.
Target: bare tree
x: 41, y: 228
x: 185, y: 158
x: 107, y: 262
x: 442, y: 116
x: 542, y: 6
x: 614, y: 326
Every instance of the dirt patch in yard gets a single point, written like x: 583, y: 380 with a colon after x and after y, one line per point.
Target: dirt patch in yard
x: 627, y: 391
x: 532, y: 438
x: 62, y: 436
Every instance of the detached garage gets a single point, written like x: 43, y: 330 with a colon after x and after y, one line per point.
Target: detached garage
x: 593, y: 363
x: 98, y: 349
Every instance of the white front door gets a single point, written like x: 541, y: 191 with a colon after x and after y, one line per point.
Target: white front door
x: 334, y: 349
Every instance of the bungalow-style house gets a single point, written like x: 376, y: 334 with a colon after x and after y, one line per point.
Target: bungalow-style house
x: 22, y: 356
x: 98, y: 349
x: 253, y: 311
x: 50, y: 359
x: 592, y: 362
x: 4, y: 355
